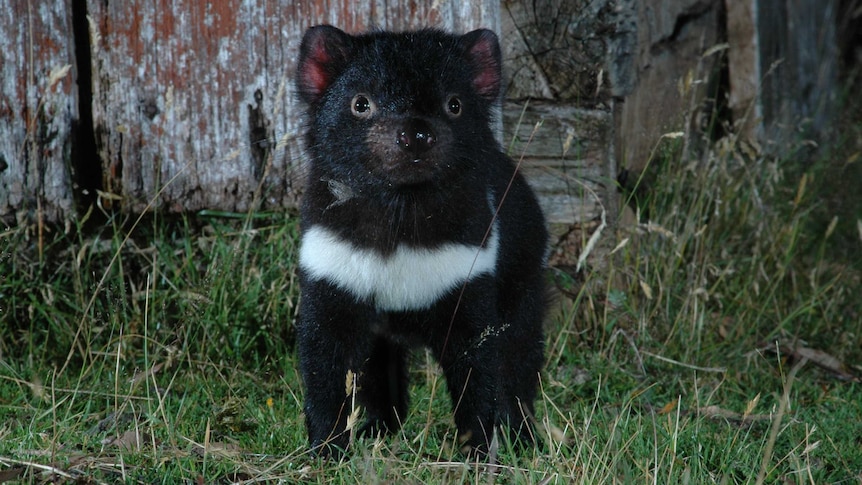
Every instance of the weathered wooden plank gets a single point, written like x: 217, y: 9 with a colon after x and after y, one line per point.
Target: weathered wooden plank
x: 565, y: 158
x: 193, y: 102
x: 783, y: 68
x: 744, y: 67
x: 672, y: 73
x: 38, y: 104
x: 798, y: 62
x: 565, y: 131
x: 556, y: 51
x: 188, y: 101
x: 553, y: 51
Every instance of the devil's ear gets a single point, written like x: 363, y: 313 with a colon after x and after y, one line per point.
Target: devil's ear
x: 323, y: 54
x: 483, y: 54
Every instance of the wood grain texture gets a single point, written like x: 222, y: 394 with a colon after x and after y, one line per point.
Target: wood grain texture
x: 556, y: 51
x: 38, y: 105
x: 672, y: 74
x: 193, y: 101
x: 565, y: 158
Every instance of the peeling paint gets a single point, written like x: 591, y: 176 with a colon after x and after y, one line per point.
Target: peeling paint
x: 185, y: 93
x: 37, y: 106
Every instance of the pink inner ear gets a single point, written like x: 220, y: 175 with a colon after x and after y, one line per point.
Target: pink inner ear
x: 315, y: 78
x: 487, y: 77
x: 487, y: 83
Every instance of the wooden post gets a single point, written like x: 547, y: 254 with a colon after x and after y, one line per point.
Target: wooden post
x: 672, y: 73
x: 38, y: 107
x: 798, y: 60
x: 744, y: 70
x: 193, y: 101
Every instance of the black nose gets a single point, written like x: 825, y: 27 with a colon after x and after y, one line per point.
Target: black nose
x: 416, y: 137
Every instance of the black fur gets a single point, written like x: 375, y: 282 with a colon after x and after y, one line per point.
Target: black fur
x: 402, y: 156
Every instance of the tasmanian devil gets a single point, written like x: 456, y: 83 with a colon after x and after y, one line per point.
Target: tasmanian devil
x: 416, y: 231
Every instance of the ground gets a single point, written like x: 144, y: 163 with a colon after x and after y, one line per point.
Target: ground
x: 717, y: 341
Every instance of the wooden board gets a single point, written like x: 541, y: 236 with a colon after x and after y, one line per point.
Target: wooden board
x: 672, y: 74
x: 38, y: 106
x: 797, y: 52
x: 565, y: 157
x: 193, y: 102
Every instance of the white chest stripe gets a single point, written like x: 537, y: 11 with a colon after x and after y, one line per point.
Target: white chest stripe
x: 408, y: 279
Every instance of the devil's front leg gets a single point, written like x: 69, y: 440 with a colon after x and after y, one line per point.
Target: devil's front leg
x: 469, y: 350
x: 333, y: 340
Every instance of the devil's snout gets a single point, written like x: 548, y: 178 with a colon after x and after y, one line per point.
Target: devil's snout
x: 416, y: 137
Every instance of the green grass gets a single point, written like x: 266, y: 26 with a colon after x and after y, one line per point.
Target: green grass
x: 161, y: 351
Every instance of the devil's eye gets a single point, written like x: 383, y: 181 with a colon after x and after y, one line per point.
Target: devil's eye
x: 453, y: 106
x: 362, y: 107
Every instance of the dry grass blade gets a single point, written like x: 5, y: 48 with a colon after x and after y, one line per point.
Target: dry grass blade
x: 721, y: 413
x: 720, y: 370
x: 784, y: 403
x: 798, y: 351
x: 35, y: 466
